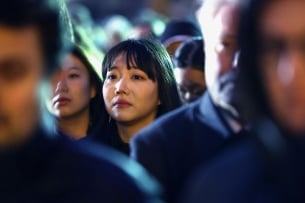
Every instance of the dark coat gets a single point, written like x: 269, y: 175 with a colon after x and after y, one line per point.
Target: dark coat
x: 54, y: 169
x: 266, y: 167
x: 174, y: 145
x: 109, y: 136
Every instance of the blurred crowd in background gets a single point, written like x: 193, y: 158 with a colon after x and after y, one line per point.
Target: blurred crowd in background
x: 108, y: 22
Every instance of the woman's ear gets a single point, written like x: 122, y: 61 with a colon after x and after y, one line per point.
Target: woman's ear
x: 92, y: 92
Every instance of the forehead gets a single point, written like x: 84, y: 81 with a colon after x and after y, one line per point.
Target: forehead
x: 19, y: 42
x: 224, y: 22
x: 122, y: 61
x: 73, y: 62
x: 284, y: 18
x: 227, y: 11
x: 188, y: 73
x: 119, y: 59
x: 227, y: 17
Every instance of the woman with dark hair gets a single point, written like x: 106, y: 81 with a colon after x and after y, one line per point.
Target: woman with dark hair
x: 77, y: 100
x: 189, y: 69
x: 139, y: 86
x: 176, y: 32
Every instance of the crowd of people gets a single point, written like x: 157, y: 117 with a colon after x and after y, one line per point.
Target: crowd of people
x: 209, y: 111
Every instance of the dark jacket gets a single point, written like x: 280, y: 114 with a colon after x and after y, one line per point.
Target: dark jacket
x: 109, y: 136
x: 266, y: 167
x: 54, y: 169
x: 174, y: 145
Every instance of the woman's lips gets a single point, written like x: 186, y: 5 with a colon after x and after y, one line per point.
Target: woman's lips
x: 62, y: 101
x: 120, y: 103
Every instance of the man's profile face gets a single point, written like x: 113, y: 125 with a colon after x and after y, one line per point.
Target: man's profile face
x: 221, y: 50
x: 282, y: 55
x: 21, y: 68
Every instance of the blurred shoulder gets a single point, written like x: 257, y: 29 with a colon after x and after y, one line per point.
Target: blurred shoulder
x: 237, y: 173
x: 104, y: 170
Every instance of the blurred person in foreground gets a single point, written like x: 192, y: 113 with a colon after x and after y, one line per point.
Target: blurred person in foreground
x: 37, y: 165
x: 269, y: 165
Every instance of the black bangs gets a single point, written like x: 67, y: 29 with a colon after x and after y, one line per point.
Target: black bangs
x: 137, y: 56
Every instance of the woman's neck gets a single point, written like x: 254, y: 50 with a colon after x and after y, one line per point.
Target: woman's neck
x: 128, y: 130
x: 75, y: 127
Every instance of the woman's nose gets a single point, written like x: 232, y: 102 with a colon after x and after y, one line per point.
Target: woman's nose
x: 121, y: 87
x: 61, y: 84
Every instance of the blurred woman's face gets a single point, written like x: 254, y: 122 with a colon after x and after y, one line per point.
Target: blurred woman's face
x: 191, y: 83
x: 130, y: 96
x: 283, y: 61
x: 71, y: 89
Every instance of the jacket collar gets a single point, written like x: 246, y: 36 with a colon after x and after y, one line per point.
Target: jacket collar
x: 213, y: 116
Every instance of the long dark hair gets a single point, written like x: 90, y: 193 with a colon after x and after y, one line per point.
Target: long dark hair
x: 254, y: 95
x: 84, y: 50
x: 190, y: 54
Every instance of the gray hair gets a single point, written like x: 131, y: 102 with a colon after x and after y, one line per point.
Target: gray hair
x: 209, y: 8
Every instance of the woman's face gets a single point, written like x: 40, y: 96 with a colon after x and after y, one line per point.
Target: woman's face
x: 71, y: 90
x: 191, y: 83
x: 130, y: 95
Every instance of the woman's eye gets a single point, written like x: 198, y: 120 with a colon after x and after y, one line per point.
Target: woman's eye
x: 137, y: 77
x: 226, y: 44
x: 111, y: 77
x: 74, y: 75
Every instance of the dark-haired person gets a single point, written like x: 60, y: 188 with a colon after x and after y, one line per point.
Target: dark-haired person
x: 139, y: 86
x: 189, y: 69
x: 176, y: 32
x: 177, y: 143
x: 76, y: 101
x: 268, y: 166
x: 37, y: 165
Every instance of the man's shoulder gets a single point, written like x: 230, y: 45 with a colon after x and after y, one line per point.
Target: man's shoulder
x: 197, y: 118
x: 186, y: 113
x: 103, y: 170
x: 89, y: 153
x: 235, y: 171
x: 57, y: 169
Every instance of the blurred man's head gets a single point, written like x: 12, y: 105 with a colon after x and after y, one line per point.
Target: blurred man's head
x: 31, y: 43
x: 219, y: 20
x: 274, y: 51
